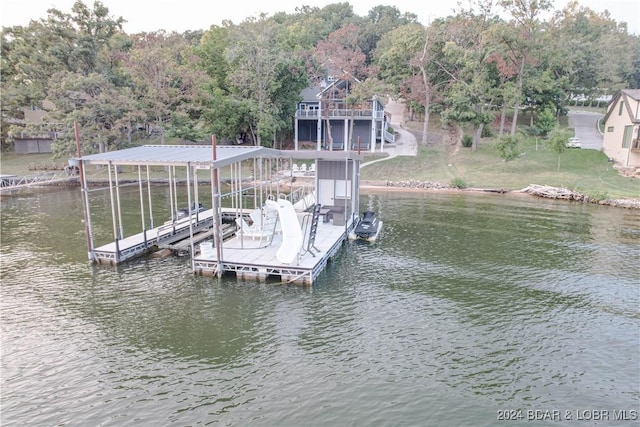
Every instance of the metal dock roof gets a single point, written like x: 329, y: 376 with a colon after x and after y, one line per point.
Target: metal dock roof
x: 182, y: 155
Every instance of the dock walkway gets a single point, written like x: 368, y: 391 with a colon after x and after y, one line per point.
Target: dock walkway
x: 249, y: 261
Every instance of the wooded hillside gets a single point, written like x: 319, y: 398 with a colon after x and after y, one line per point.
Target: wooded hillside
x: 472, y: 67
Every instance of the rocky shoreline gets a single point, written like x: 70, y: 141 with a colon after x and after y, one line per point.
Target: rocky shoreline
x: 544, y: 191
x: 536, y: 190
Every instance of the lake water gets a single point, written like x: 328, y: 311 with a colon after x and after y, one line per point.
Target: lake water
x: 469, y: 308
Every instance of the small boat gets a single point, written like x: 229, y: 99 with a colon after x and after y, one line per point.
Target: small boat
x: 368, y: 227
x: 184, y: 212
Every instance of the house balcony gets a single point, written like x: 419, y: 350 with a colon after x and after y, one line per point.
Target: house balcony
x: 340, y: 114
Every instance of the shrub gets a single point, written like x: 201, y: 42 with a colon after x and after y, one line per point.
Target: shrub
x: 458, y: 183
x: 488, y: 132
x: 467, y: 140
x: 507, y: 148
x: 598, y: 195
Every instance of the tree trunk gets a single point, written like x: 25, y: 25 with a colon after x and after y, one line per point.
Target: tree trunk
x: 327, y: 123
x: 477, y: 133
x: 427, y: 89
x: 425, y: 124
x: 503, y: 118
x: 516, y: 106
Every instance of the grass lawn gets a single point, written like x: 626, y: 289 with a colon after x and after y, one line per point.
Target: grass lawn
x: 28, y: 164
x: 584, y: 171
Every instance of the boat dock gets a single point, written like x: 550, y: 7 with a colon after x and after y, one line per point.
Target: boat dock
x: 267, y: 228
x: 253, y: 260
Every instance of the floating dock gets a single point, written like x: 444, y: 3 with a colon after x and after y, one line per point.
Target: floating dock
x: 253, y: 260
x: 314, y: 216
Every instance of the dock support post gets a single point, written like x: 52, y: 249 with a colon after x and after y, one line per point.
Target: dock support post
x: 119, y: 207
x: 149, y: 194
x: 190, y: 213
x: 144, y: 229
x: 215, y: 201
x: 85, y: 195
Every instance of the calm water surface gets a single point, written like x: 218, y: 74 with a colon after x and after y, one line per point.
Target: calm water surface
x: 468, y: 305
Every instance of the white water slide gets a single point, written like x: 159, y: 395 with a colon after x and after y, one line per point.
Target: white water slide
x: 291, y: 231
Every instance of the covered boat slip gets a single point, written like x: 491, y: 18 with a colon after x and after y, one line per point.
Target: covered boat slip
x: 239, y: 181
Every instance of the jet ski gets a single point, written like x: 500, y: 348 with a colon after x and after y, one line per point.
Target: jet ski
x: 367, y: 228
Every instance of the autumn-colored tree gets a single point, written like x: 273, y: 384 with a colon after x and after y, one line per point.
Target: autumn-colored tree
x: 340, y: 58
x: 522, y: 38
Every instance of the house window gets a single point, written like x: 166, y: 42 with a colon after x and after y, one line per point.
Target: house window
x: 610, y: 129
x: 620, y: 109
x: 626, y: 139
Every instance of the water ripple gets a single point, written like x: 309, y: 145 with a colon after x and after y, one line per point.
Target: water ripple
x: 464, y: 306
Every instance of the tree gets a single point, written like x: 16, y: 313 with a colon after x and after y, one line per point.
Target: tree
x: 84, y: 41
x: 103, y: 112
x: 546, y: 121
x: 463, y: 53
x: 522, y: 41
x: 507, y: 147
x: 339, y: 56
x: 580, y: 45
x: 258, y: 70
x: 167, y: 83
x: 558, y: 143
x: 380, y: 20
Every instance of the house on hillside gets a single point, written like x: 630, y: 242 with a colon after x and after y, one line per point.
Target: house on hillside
x: 325, y: 120
x: 41, y: 134
x: 622, y: 128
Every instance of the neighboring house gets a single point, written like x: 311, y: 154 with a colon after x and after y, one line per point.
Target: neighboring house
x: 323, y: 108
x: 622, y: 128
x: 37, y: 141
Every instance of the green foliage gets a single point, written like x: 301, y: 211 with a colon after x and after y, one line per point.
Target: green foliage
x: 599, y: 195
x: 488, y: 132
x: 102, y: 111
x: 467, y: 140
x: 467, y: 66
x: 393, y: 56
x: 546, y: 122
x: 558, y: 143
x: 507, y: 148
x: 458, y: 183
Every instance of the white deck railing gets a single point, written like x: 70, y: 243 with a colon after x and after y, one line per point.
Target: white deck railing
x: 342, y: 113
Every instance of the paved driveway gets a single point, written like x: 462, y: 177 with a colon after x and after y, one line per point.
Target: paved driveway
x: 585, y: 124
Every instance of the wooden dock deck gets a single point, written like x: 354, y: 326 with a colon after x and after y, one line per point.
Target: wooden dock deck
x: 249, y: 261
x: 171, y: 235
x: 247, y: 257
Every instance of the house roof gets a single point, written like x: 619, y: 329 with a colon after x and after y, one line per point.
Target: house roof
x: 625, y: 94
x: 310, y: 94
x: 201, y: 155
x: 632, y: 93
x: 340, y: 83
